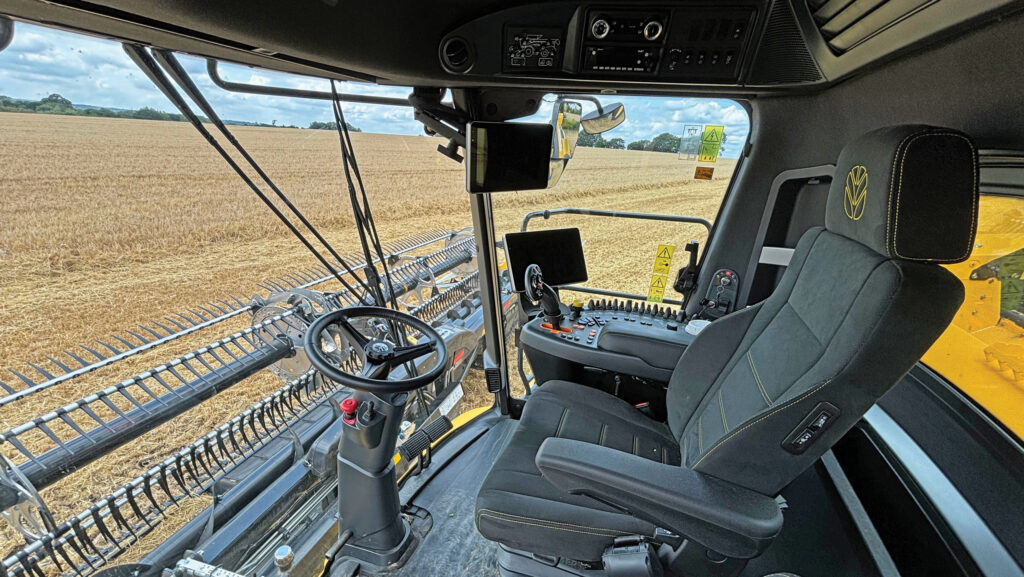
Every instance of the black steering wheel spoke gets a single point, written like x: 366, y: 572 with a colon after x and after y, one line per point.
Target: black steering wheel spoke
x: 375, y: 370
x: 412, y: 352
x: 359, y: 338
x: 381, y: 355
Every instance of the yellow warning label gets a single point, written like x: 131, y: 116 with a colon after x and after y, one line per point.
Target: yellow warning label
x: 710, y: 143
x: 657, y: 289
x: 663, y: 258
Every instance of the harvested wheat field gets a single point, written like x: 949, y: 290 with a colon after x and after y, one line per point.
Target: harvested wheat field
x: 109, y: 223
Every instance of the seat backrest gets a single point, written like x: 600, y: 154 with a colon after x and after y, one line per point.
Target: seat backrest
x: 862, y: 299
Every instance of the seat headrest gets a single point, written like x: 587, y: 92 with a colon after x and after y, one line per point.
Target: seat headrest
x: 908, y: 192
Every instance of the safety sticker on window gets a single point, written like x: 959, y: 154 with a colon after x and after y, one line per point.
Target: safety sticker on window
x: 663, y: 258
x: 711, y: 143
x: 656, y: 292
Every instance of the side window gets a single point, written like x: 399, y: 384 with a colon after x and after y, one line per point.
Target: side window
x: 982, y: 351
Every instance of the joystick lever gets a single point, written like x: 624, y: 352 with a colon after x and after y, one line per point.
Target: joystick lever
x: 538, y: 290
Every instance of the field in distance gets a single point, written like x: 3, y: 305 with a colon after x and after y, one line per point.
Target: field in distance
x: 109, y: 223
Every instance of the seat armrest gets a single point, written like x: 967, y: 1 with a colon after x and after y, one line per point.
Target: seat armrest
x: 726, y: 518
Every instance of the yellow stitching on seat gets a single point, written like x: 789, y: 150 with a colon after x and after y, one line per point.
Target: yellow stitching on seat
x: 751, y: 424
x: 899, y: 190
x: 721, y: 408
x: 500, y: 516
x: 600, y: 438
x: 700, y: 435
x: 757, y: 379
x: 550, y: 527
x: 561, y: 421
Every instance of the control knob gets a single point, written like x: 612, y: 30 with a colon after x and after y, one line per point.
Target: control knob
x: 600, y: 28
x: 653, y: 30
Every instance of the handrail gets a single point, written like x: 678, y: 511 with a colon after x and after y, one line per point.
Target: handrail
x: 211, y: 69
x: 614, y: 214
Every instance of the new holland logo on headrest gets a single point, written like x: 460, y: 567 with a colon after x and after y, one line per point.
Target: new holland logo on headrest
x: 856, y: 192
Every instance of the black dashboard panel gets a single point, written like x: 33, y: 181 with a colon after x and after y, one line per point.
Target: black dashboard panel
x: 704, y: 43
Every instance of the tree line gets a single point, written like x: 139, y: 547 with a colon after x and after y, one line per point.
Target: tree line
x: 664, y: 142
x: 57, y: 104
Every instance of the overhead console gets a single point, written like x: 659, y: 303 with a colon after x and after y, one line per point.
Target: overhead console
x: 685, y: 43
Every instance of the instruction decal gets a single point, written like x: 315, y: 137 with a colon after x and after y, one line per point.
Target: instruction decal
x: 689, y: 144
x: 656, y: 292
x: 711, y: 142
x: 663, y: 258
x: 704, y: 172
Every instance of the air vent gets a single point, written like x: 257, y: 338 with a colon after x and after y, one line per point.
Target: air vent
x: 846, y: 23
x: 456, y: 55
x: 783, y: 57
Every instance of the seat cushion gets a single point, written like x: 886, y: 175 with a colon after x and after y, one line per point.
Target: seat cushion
x: 518, y: 507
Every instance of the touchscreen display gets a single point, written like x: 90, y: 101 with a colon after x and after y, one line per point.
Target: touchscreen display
x: 558, y: 253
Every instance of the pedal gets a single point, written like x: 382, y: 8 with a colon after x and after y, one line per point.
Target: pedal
x: 420, y: 441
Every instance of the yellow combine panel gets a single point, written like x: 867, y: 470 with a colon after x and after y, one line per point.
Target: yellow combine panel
x: 981, y: 352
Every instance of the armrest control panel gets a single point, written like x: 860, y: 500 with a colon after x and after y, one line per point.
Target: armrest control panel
x: 639, y: 339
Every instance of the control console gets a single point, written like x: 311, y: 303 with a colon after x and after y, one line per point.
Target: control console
x: 620, y: 336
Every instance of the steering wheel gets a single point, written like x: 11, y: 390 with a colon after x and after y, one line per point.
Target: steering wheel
x: 329, y: 336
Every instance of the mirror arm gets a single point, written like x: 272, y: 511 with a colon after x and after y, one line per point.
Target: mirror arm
x: 588, y: 98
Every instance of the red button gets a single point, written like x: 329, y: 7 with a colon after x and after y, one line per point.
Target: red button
x: 349, y: 406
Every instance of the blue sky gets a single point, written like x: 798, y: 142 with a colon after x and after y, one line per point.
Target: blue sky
x: 95, y: 71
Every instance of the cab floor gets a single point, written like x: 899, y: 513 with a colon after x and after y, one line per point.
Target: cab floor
x: 818, y: 538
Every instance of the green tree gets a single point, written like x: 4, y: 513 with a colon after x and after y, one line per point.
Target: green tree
x: 616, y: 143
x: 639, y: 145
x: 665, y: 142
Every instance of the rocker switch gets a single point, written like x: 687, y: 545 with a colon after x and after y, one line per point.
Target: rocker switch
x: 810, y: 428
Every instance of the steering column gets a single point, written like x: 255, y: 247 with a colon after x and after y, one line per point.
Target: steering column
x: 367, y: 484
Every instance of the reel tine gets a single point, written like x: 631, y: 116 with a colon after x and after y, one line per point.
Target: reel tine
x: 94, y: 353
x: 41, y: 371
x: 6, y: 387
x: 189, y: 320
x: 23, y: 378
x: 125, y: 342
x: 140, y: 337
x: 199, y: 314
x: 175, y: 323
x: 77, y: 358
x: 110, y: 348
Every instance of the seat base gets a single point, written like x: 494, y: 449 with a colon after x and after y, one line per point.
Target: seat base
x: 517, y: 507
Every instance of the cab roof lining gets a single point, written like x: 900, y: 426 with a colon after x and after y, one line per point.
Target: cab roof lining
x: 399, y: 46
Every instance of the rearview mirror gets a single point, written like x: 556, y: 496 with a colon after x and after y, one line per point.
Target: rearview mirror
x: 6, y: 32
x: 604, y: 118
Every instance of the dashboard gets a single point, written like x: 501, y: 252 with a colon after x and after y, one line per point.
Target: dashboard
x: 689, y: 43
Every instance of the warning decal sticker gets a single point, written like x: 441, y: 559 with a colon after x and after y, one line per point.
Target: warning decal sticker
x: 663, y: 258
x: 656, y: 292
x: 711, y: 142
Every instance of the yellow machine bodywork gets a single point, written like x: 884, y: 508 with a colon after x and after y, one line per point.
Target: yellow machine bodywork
x: 981, y: 352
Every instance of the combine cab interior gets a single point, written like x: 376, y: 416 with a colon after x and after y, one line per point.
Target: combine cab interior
x: 812, y: 394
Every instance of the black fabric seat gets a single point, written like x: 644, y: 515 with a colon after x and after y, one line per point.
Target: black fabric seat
x: 861, y: 300
x: 515, y: 496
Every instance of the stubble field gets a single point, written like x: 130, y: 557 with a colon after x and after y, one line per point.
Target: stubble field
x: 109, y: 223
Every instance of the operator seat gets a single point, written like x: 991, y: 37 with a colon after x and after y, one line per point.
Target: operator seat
x: 861, y: 300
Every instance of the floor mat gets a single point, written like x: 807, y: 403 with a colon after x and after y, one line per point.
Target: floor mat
x: 454, y: 547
